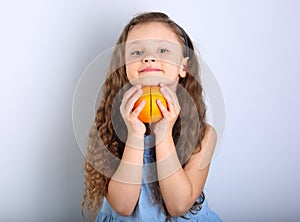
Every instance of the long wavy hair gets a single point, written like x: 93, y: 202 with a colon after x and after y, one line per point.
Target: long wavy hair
x: 104, y: 142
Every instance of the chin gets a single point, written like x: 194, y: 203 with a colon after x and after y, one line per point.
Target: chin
x: 153, y: 80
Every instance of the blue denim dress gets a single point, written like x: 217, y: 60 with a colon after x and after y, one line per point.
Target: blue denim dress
x: 145, y: 211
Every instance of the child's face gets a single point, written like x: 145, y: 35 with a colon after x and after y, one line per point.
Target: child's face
x: 153, y: 50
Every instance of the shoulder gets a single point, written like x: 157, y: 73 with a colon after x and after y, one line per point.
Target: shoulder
x: 204, y: 154
x: 208, y: 145
x: 210, y: 136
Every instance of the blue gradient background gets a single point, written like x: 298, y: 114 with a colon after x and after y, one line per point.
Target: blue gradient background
x: 252, y: 47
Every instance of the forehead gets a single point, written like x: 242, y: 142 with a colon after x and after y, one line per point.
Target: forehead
x: 152, y: 30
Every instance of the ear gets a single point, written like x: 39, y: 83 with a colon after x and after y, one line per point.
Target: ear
x: 182, y: 72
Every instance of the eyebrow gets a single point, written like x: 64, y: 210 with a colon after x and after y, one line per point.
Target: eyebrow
x: 137, y: 42
x: 131, y: 43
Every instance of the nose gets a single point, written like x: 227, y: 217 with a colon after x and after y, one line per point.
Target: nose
x: 149, y: 59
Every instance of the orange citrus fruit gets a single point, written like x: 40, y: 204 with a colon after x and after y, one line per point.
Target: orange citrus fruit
x: 151, y: 112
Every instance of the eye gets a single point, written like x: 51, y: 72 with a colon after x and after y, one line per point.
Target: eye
x: 137, y: 52
x: 162, y: 51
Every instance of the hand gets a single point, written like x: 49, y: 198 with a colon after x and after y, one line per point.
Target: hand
x: 135, y: 127
x: 170, y: 114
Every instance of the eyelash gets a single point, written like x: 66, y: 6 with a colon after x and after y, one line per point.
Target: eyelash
x: 139, y: 52
x: 165, y: 50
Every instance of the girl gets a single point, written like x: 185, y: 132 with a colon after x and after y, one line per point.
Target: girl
x: 164, y: 165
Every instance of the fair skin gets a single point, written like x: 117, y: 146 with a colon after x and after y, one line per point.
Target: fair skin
x: 182, y: 187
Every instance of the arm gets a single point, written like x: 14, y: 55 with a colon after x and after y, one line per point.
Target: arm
x: 189, y: 180
x: 171, y: 175
x: 124, y: 186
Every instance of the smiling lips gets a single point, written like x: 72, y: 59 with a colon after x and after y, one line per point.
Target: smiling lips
x: 150, y: 69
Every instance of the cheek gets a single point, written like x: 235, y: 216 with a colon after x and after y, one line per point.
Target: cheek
x: 172, y: 71
x: 131, y: 71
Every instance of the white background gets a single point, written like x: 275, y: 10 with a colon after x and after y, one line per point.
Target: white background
x: 252, y: 47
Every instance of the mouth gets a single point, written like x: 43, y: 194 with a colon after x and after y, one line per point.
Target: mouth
x: 150, y: 69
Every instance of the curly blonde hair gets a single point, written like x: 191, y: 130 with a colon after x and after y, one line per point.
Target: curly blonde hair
x: 103, y: 139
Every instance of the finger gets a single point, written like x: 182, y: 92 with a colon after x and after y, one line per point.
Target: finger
x: 127, y: 95
x: 133, y: 99
x: 169, y: 99
x: 138, y: 109
x: 166, y: 95
x: 170, y: 96
x: 170, y: 92
x: 162, y: 108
